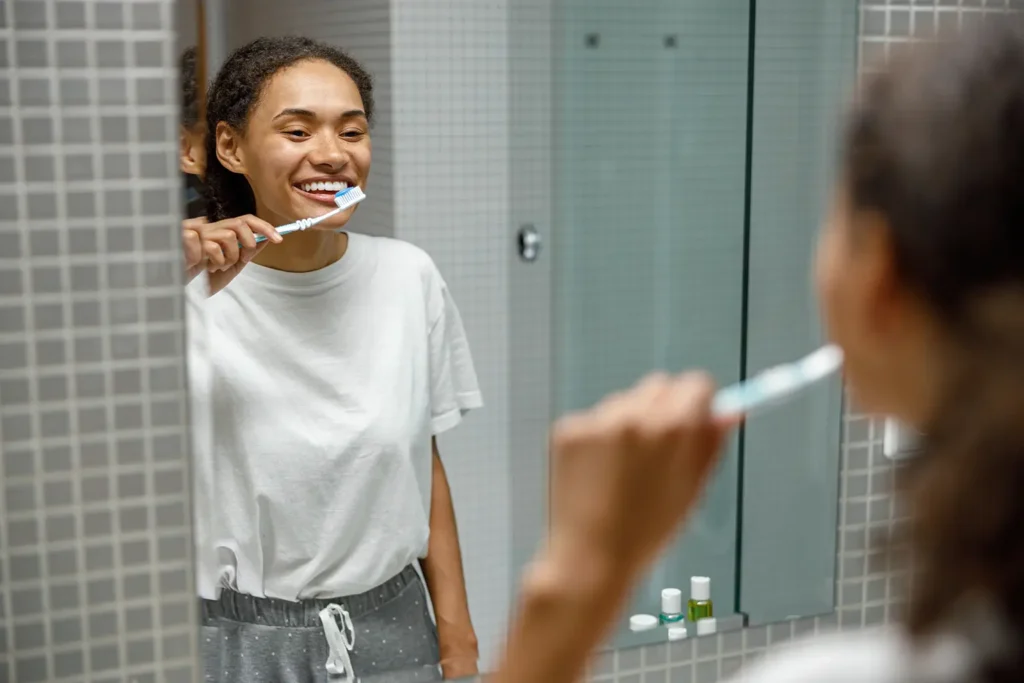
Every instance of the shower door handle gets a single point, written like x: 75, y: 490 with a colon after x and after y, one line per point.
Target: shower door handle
x: 529, y: 243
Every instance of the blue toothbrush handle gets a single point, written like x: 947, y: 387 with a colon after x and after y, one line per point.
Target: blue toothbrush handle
x: 281, y: 230
x: 300, y: 225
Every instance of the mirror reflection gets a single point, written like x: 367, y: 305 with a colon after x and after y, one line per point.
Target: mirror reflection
x: 336, y: 359
x: 360, y: 511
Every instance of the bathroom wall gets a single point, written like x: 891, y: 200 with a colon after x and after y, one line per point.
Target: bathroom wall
x: 453, y: 148
x: 95, y: 546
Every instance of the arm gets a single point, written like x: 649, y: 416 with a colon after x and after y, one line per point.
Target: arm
x: 566, y: 610
x: 442, y: 570
x: 623, y: 477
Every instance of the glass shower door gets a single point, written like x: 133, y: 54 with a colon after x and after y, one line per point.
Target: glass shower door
x: 650, y: 144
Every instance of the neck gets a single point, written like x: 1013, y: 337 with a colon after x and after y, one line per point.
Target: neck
x: 304, y: 252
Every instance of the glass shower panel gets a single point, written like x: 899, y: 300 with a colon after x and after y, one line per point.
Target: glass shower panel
x: 650, y: 154
x: 804, y: 68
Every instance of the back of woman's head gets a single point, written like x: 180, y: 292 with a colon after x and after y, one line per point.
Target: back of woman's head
x: 935, y: 145
x: 236, y: 92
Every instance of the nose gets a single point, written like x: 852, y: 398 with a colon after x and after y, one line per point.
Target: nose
x: 328, y: 153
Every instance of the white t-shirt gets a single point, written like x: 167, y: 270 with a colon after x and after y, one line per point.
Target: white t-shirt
x: 323, y: 389
x: 882, y: 655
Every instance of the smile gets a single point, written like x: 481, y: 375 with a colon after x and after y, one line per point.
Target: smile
x: 321, y: 191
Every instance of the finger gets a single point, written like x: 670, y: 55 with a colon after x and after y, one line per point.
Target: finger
x: 194, y: 223
x: 697, y: 436
x: 214, y: 255
x: 193, y: 248
x: 228, y: 242
x: 687, y: 404
x: 633, y: 414
x: 261, y: 227
x: 243, y: 233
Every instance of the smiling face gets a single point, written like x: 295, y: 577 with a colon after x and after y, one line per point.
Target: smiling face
x: 306, y: 139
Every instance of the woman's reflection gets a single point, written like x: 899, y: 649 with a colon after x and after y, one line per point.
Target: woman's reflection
x: 337, y: 359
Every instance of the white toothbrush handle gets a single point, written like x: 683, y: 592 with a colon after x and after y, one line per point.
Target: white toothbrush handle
x: 299, y: 225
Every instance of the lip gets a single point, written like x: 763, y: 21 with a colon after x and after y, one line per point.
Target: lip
x: 322, y: 197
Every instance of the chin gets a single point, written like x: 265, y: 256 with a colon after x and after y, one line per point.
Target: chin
x: 336, y: 222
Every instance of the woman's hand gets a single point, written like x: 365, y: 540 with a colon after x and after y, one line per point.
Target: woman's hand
x: 456, y: 668
x: 223, y: 248
x: 626, y: 473
x: 624, y: 476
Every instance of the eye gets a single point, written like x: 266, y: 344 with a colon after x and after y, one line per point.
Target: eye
x: 353, y: 134
x: 297, y: 134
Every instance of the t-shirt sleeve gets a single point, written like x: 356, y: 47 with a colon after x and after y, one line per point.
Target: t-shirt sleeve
x: 454, y: 389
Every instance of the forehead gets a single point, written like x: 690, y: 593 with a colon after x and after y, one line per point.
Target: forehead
x: 314, y: 85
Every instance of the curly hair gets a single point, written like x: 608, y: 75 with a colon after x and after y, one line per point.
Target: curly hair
x: 935, y: 144
x: 236, y: 92
x: 189, y: 89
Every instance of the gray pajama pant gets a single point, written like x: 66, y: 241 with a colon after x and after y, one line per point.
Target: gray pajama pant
x: 264, y: 640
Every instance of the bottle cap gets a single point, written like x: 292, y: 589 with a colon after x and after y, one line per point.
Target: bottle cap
x: 677, y: 633
x: 671, y: 601
x: 700, y: 588
x: 705, y: 627
x: 643, y: 622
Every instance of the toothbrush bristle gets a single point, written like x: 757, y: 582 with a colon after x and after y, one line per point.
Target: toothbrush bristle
x: 349, y: 197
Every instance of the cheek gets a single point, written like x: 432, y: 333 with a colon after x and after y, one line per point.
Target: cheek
x: 362, y: 155
x: 828, y: 282
x: 270, y: 166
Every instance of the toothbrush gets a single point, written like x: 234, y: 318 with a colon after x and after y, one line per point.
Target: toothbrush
x: 344, y: 199
x: 778, y: 383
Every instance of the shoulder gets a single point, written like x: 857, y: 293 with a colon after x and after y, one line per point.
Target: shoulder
x: 397, y: 253
x: 411, y: 267
x: 883, y: 655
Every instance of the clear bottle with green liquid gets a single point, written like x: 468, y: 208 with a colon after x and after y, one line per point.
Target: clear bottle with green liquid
x: 699, y: 606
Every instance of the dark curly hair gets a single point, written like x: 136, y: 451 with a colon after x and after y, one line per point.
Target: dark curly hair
x: 935, y: 144
x: 237, y: 90
x: 189, y: 89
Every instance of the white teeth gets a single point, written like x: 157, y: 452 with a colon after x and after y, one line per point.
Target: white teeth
x: 324, y: 186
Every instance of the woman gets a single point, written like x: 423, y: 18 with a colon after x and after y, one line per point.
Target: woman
x: 336, y: 359
x: 921, y: 279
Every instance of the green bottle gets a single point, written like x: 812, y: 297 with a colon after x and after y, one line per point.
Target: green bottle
x: 699, y: 607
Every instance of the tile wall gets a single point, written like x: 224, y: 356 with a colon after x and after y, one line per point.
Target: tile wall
x: 95, y: 550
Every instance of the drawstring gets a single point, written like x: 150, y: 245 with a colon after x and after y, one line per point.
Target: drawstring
x: 339, y: 640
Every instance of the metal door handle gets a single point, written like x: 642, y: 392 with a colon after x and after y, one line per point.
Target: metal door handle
x: 529, y: 243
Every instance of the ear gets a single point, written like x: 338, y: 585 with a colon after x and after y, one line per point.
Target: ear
x: 190, y: 154
x: 229, y: 151
x: 876, y: 271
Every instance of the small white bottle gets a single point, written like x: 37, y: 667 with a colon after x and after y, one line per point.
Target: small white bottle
x: 671, y: 607
x: 676, y: 633
x: 707, y: 627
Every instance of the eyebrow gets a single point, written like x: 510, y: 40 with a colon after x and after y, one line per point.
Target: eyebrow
x: 307, y: 114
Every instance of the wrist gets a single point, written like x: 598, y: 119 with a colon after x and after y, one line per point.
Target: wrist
x: 571, y: 564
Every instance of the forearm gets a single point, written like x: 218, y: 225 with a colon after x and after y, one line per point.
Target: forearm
x: 566, y: 609
x: 444, y: 575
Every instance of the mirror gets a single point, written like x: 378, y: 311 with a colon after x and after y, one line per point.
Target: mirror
x: 559, y: 198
